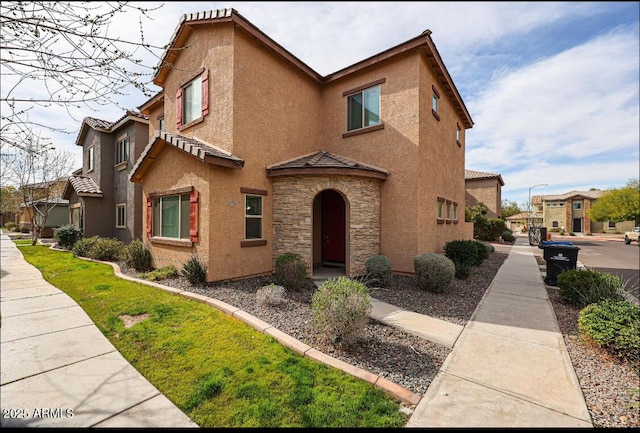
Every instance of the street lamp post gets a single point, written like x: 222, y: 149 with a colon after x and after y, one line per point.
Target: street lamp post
x: 529, y: 204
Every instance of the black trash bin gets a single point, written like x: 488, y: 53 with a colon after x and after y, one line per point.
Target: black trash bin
x: 537, y: 235
x: 560, y: 257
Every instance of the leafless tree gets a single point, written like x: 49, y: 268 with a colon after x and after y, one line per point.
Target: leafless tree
x: 39, y: 172
x: 64, y: 55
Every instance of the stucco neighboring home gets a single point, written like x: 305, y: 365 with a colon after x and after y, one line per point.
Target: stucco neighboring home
x: 519, y: 222
x: 485, y: 187
x: 253, y: 154
x: 44, y: 197
x: 102, y: 200
x: 571, y: 212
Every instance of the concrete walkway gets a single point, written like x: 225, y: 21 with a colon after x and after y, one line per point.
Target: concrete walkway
x: 509, y: 366
x: 50, y: 376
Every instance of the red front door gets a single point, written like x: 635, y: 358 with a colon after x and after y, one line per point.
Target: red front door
x: 333, y: 227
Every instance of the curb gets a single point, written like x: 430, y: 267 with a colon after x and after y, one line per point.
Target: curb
x: 402, y: 394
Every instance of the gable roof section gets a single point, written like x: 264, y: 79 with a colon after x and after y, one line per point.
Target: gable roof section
x: 106, y: 126
x: 422, y: 42
x: 83, y: 186
x: 191, y: 146
x: 323, y: 162
x: 482, y: 175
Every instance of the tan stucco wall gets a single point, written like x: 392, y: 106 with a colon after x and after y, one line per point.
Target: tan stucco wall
x: 294, y: 220
x: 265, y: 111
x: 487, y: 191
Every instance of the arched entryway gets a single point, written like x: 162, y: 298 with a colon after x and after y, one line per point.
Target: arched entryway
x: 330, y: 231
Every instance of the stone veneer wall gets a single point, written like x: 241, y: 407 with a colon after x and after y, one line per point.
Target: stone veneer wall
x: 293, y: 198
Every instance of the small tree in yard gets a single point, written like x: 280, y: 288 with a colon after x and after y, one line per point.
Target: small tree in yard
x: 35, y: 169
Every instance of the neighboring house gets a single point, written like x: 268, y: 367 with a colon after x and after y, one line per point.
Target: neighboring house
x: 484, y: 187
x: 102, y: 200
x: 570, y: 212
x: 252, y: 154
x: 520, y: 222
x: 41, y: 198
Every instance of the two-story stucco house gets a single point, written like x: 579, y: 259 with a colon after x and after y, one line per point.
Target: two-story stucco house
x: 570, y: 212
x: 484, y: 187
x: 253, y: 154
x: 102, y: 200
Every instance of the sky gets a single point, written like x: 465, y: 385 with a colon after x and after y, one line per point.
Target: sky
x: 552, y: 87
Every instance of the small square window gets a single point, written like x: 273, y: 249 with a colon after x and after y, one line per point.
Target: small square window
x: 577, y: 205
x: 612, y: 224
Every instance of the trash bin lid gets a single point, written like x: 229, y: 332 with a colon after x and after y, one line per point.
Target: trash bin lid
x: 551, y: 243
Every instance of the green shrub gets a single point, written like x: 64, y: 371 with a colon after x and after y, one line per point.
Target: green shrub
x: 82, y: 246
x: 434, y: 272
x: 137, y: 256
x: 10, y: 225
x: 490, y: 248
x: 291, y: 272
x: 507, y: 236
x: 271, y: 295
x: 379, y: 270
x: 161, y: 274
x: 614, y: 325
x: 340, y: 309
x: 195, y: 270
x: 488, y: 229
x: 482, y: 251
x: 465, y: 251
x: 581, y: 287
x: 463, y: 269
x: 24, y: 229
x: 97, y: 248
x: 67, y: 235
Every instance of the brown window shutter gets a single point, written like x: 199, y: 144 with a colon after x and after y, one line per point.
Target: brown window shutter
x: 179, y: 107
x: 149, y: 215
x: 205, y: 92
x: 193, y: 215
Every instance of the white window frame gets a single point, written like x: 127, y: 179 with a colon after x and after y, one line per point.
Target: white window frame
x: 157, y: 223
x: 121, y: 207
x: 91, y: 158
x: 122, y: 150
x: 248, y: 216
x: 577, y: 205
x: 363, y: 95
x: 455, y: 211
x: 192, y: 100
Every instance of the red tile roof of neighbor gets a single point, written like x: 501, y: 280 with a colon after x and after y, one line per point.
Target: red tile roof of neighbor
x: 478, y: 175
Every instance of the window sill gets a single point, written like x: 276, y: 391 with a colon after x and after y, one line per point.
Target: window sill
x: 253, y: 243
x: 440, y: 221
x: 121, y: 227
x: 455, y: 221
x: 193, y: 122
x: 171, y: 241
x: 122, y: 165
x: 448, y: 221
x: 436, y: 115
x: 363, y: 130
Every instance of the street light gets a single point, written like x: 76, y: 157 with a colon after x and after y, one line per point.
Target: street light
x: 529, y: 204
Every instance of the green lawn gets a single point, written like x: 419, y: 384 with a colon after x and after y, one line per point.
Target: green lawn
x: 218, y: 370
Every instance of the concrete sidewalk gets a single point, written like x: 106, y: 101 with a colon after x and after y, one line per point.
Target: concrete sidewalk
x: 50, y: 376
x: 509, y: 366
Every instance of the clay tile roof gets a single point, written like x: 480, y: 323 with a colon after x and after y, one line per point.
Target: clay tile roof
x: 197, y: 148
x: 588, y: 194
x: 84, y: 186
x: 325, y: 160
x: 479, y: 175
x: 193, y: 147
x: 97, y: 123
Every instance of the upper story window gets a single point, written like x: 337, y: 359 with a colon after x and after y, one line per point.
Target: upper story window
x: 90, y: 158
x: 161, y: 123
x: 577, y: 204
x: 192, y: 99
x: 458, y: 134
x: 434, y: 102
x: 122, y: 150
x: 363, y: 108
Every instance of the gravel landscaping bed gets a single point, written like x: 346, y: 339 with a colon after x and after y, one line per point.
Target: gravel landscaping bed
x: 411, y: 361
